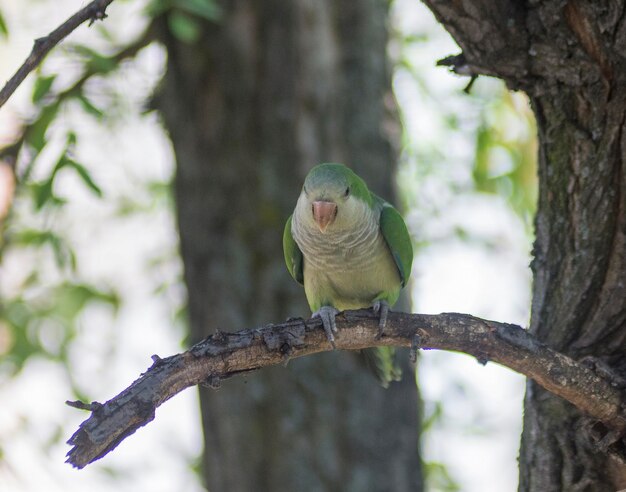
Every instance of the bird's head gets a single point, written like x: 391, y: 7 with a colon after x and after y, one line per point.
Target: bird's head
x: 332, y: 195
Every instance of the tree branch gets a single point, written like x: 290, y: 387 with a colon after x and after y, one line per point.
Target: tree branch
x: 228, y: 354
x: 96, y: 10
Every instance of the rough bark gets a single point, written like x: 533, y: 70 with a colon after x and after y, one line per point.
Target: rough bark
x: 272, y: 89
x: 569, y: 58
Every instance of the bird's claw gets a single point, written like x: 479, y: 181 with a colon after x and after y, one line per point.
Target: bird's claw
x: 381, y: 307
x: 416, y: 342
x: 327, y: 315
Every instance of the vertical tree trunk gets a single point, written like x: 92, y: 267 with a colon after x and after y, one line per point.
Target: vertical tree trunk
x: 272, y: 89
x: 579, y: 266
x: 569, y: 57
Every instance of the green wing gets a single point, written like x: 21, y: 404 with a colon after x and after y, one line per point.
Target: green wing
x: 397, y: 237
x: 293, y: 255
x: 382, y: 359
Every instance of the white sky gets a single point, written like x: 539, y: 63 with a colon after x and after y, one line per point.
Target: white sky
x: 477, y: 437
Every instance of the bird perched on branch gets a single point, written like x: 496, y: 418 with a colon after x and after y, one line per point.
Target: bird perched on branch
x: 350, y: 249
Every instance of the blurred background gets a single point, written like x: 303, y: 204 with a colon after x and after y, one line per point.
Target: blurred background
x: 92, y: 281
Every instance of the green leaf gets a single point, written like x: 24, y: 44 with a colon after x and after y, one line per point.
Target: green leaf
x: 505, y: 161
x: 184, y: 27
x: 71, y: 299
x: 89, y: 107
x: 4, y: 31
x: 415, y: 38
x: 32, y: 237
x: 42, y: 87
x: 17, y: 314
x: 96, y: 62
x: 157, y: 7
x: 482, y: 163
x: 207, y: 9
x: 35, y: 134
x: 438, y: 477
x: 433, y: 418
x: 84, y: 175
x: 63, y: 254
x: 70, y: 139
x: 42, y: 193
x: 60, y: 304
x: 160, y: 190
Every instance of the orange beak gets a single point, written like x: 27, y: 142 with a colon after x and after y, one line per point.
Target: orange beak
x: 324, y: 213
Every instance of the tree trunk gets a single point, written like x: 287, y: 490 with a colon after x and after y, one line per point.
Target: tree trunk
x: 272, y: 89
x: 569, y: 58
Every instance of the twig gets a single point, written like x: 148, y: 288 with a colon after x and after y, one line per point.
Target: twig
x: 96, y: 10
x: 92, y: 407
x: 456, y: 63
x: 128, y: 52
x: 228, y: 354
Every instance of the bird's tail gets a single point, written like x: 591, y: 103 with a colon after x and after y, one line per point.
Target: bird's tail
x: 382, y: 362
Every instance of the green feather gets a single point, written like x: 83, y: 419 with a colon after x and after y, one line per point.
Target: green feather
x: 293, y: 255
x: 381, y: 361
x: 397, y: 238
x: 341, y: 177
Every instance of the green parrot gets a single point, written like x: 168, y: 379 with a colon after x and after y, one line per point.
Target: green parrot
x: 350, y: 249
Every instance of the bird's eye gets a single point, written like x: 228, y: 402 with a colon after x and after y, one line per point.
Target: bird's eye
x: 347, y: 192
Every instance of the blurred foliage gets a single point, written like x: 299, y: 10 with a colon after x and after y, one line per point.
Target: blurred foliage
x: 506, y: 152
x: 39, y: 316
x: 185, y: 17
x: 489, y: 128
x: 50, y: 303
x: 43, y: 191
x: 438, y: 478
x: 41, y: 311
x: 42, y: 320
x: 4, y: 30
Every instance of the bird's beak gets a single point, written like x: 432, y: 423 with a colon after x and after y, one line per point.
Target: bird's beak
x: 324, y: 213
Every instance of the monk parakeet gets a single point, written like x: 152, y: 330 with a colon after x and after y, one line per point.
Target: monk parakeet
x: 348, y: 247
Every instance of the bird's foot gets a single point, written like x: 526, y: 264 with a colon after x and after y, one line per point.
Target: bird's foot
x: 327, y: 315
x: 381, y: 307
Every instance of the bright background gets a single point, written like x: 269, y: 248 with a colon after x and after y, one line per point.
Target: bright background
x: 472, y: 233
